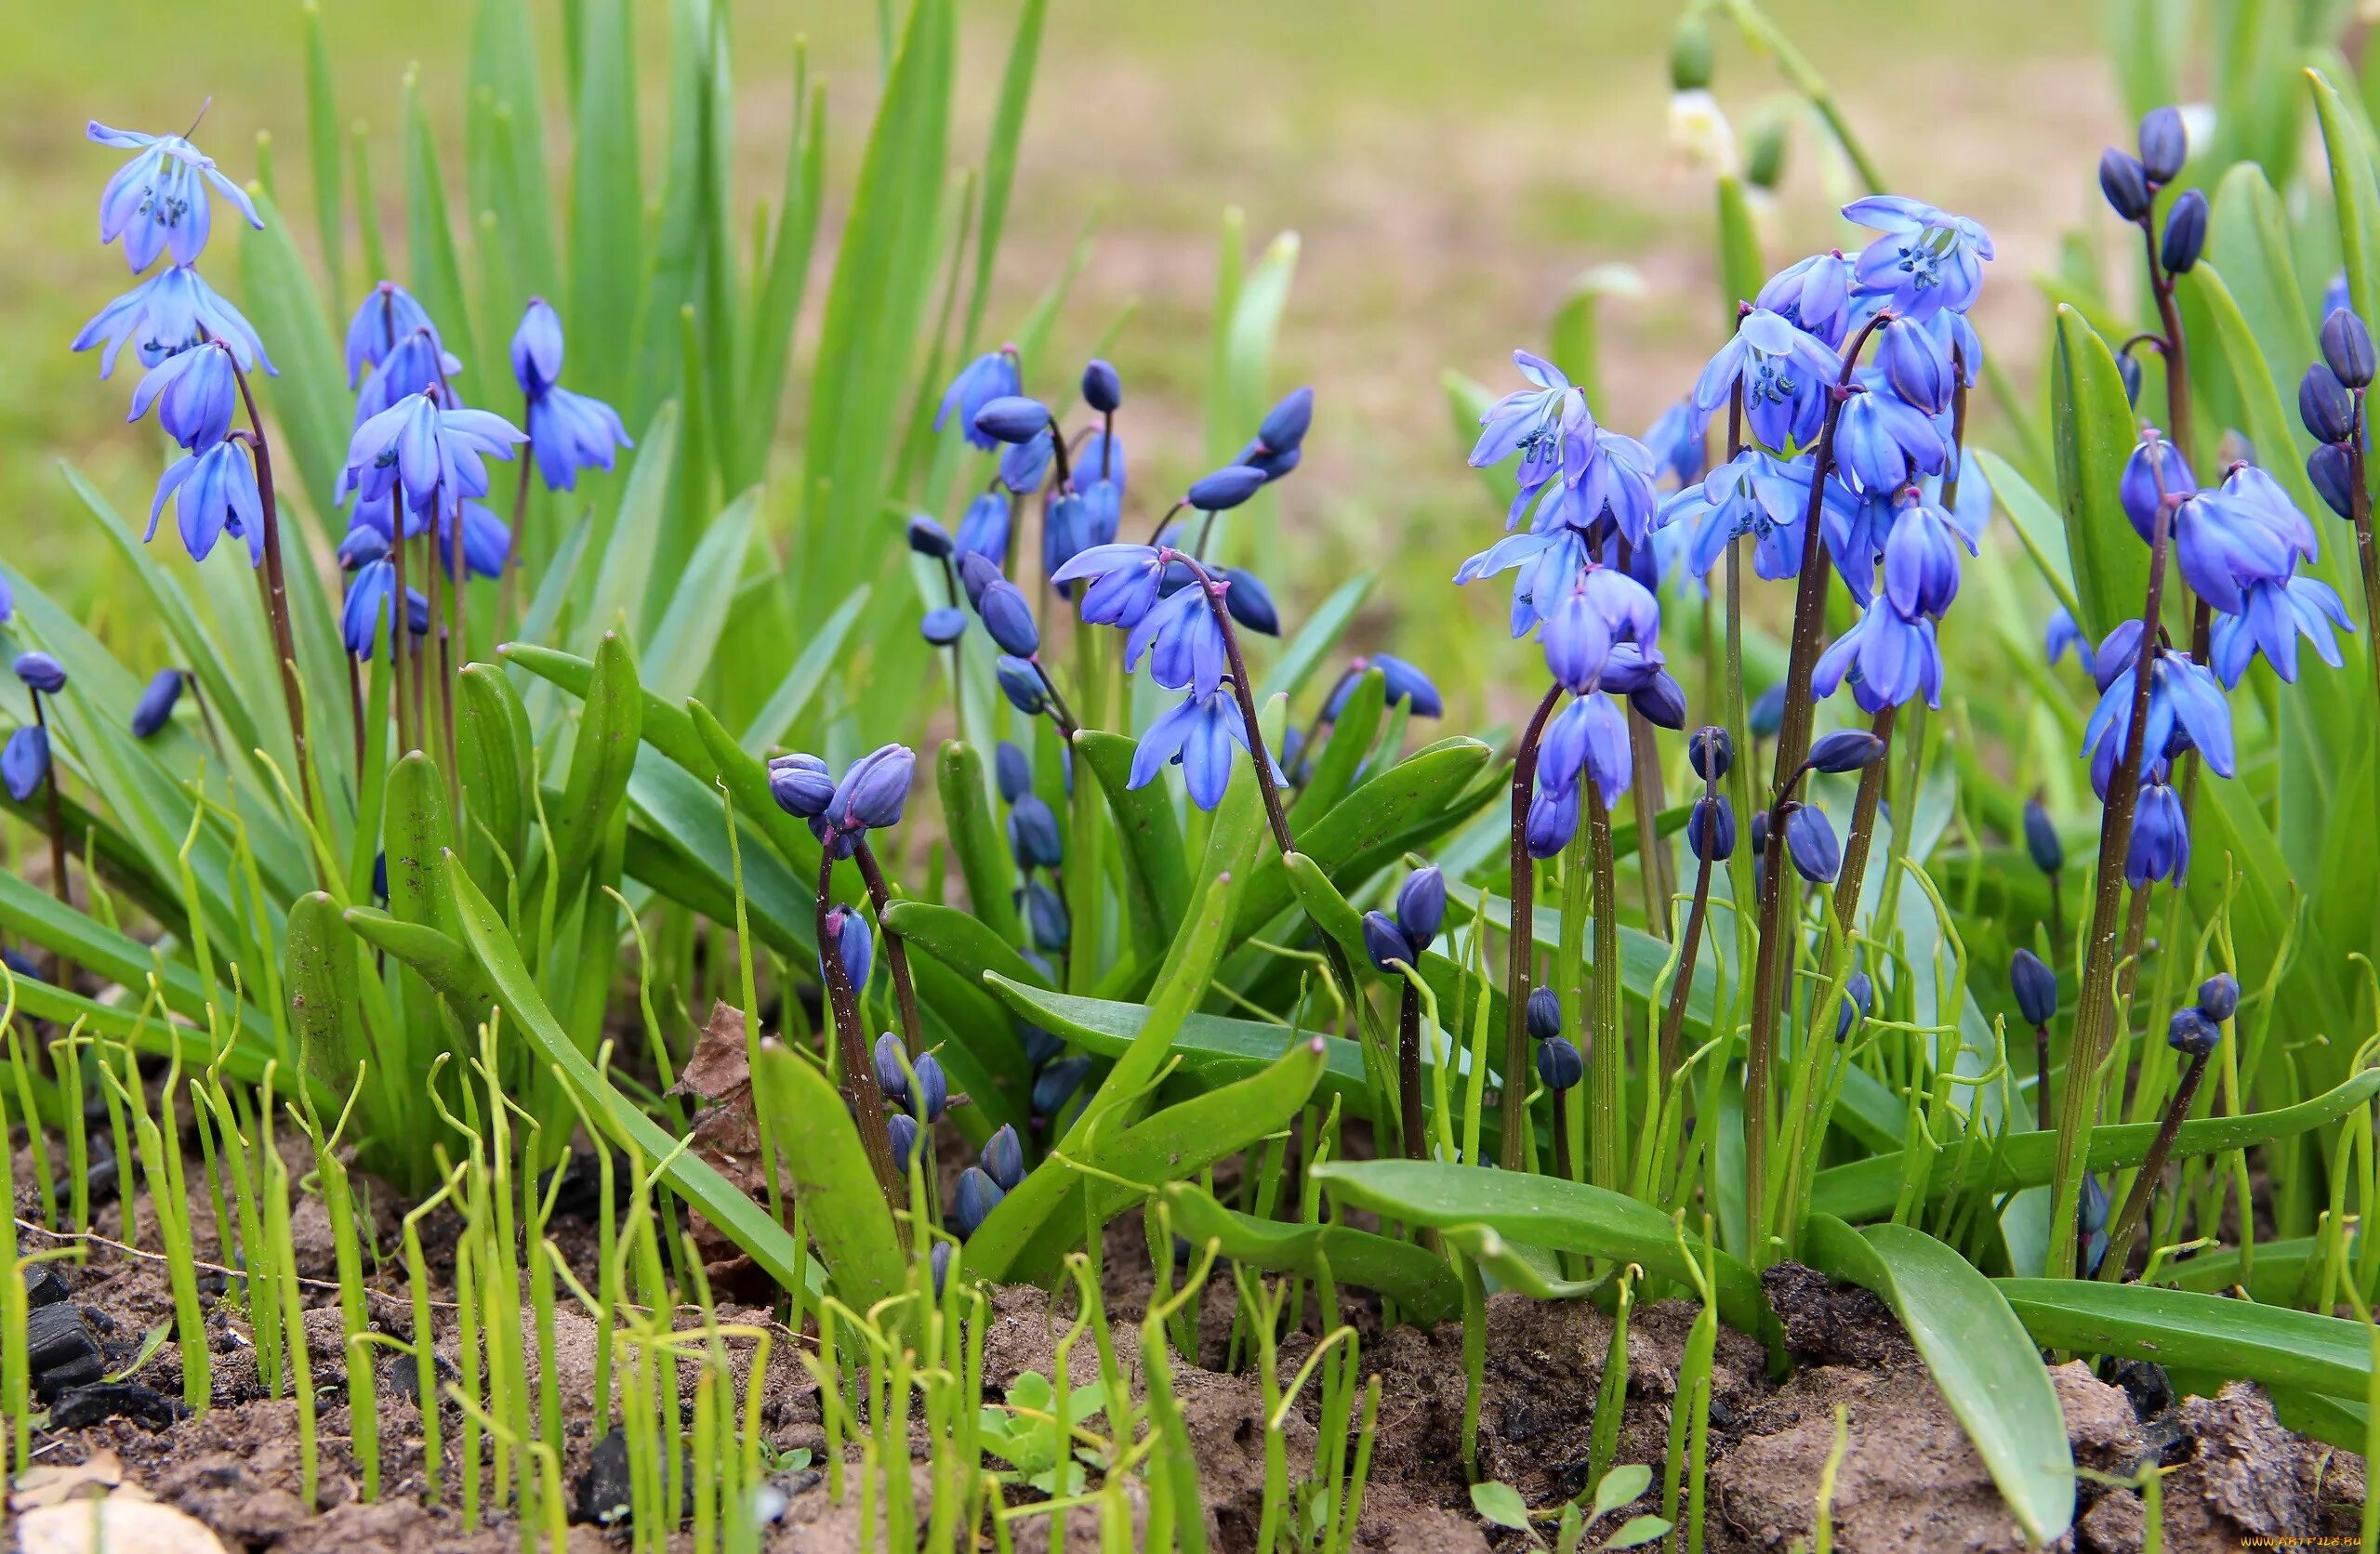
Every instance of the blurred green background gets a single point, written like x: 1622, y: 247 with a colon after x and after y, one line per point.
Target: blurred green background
x: 1449, y: 167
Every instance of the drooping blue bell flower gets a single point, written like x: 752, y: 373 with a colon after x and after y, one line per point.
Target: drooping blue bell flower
x: 1004, y: 1158
x: 388, y: 313
x: 1022, y: 464
x: 2186, y: 708
x: 195, y: 393
x: 982, y: 528
x: 417, y: 364
x: 2271, y: 618
x: 2154, y: 475
x: 1916, y: 365
x: 2035, y: 986
x: 1576, y: 640
x: 366, y: 615
x: 1011, y: 419
x: 24, y: 761
x: 1809, y: 842
x: 973, y: 1202
x: 1814, y: 295
x: 214, y: 492
x: 166, y: 314
x: 2161, y: 837
x: 487, y: 540
x: 1881, y: 443
x: 1785, y: 374
x: 569, y: 432
x: 433, y: 451
x: 156, y: 708
x: 1125, y: 583
x: 2062, y: 634
x: 1184, y: 644
x: 1888, y: 656
x: 1547, y: 424
x: 537, y: 348
x: 40, y: 672
x: 159, y: 201
x: 1589, y: 738
x: 1200, y: 734
x: 988, y: 377
x: 1552, y: 821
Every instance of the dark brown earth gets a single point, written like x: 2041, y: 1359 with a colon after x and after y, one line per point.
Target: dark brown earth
x: 1908, y: 1479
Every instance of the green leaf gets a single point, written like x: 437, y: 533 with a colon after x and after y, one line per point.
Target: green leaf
x: 442, y: 960
x: 1637, y: 1531
x: 999, y: 157
x: 681, y: 649
x: 1978, y: 1355
x: 600, y: 761
x: 1419, y: 1283
x: 606, y: 199
x: 325, y: 151
x: 496, y: 765
x: 800, y: 687
x: 1155, y: 868
x: 960, y: 941
x: 977, y: 842
x: 1500, y: 1505
x: 2039, y: 527
x: 735, y: 1216
x: 2093, y: 429
x: 2354, y: 192
x: 777, y: 297
x: 669, y: 729
x: 1740, y: 271
x: 635, y: 536
x: 1514, y: 1269
x: 436, y: 268
x: 1343, y: 754
x: 841, y: 1202
x: 1315, y: 640
x: 1621, y: 1485
x: 2269, y: 1345
x: 325, y: 992
x: 1541, y: 1211
x: 418, y: 834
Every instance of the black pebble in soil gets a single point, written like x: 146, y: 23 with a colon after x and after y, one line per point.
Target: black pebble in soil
x: 403, y: 1377
x: 605, y: 1489
x: 62, y: 1351
x: 581, y: 1194
x: 78, y: 1407
x: 102, y: 1181
x: 45, y: 1286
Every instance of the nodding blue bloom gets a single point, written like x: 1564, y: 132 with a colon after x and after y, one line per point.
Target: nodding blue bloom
x: 2271, y: 617
x: 1559, y: 1064
x: 975, y: 1197
x: 24, y: 761
x: 943, y: 625
x: 1021, y: 684
x: 1125, y: 582
x: 1785, y: 373
x: 1752, y: 494
x: 1045, y: 916
x: 487, y: 541
x: 1590, y: 738
x: 2324, y: 405
x: 1917, y: 366
x: 570, y: 432
x: 2043, y: 843
x: 366, y: 615
x: 166, y: 314
x: 982, y: 528
x: 901, y: 1133
x: 364, y: 544
x: 2186, y: 710
x: 436, y: 453
x: 1618, y: 479
x: 1189, y: 650
x: 1889, y: 657
x: 2035, y: 986
x: 387, y: 314
x: 1250, y: 601
x: 1032, y: 837
x: 1004, y: 1158
x: 1403, y: 683
x: 156, y: 708
x: 2161, y: 837
x: 1221, y: 490
x: 1711, y: 828
x: 40, y: 672
x: 2064, y: 633
x: 213, y: 492
x: 1547, y: 424
x: 1066, y: 522
x: 2218, y: 996
x: 1009, y: 618
x: 1200, y: 734
x: 848, y: 938
x: 1284, y: 427
x: 1552, y: 820
x: 1022, y: 464
x: 1766, y: 714
x: 2241, y: 535
x: 872, y: 793
x: 801, y: 785
x: 1550, y: 561
x: 1013, y: 773
x: 537, y: 348
x: 1421, y: 906
x: 1882, y: 442
x: 1055, y: 1086
x: 1101, y: 460
x: 1575, y: 643
x: 1927, y: 260
x: 195, y: 393
x: 1922, y: 559
x: 1102, y: 499
x: 891, y: 1062
x: 1814, y: 295
x: 2155, y: 474
x: 988, y: 377
x: 417, y: 364
x: 158, y: 200
x: 1678, y: 442
x: 1544, y: 1015
x: 1809, y: 842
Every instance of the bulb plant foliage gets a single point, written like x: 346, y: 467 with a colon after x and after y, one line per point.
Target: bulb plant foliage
x: 1040, y: 846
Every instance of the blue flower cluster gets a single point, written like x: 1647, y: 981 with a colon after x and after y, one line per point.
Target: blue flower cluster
x: 1035, y: 842
x: 871, y: 797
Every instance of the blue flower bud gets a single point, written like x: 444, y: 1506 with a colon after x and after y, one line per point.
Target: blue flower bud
x: 1544, y: 1013
x: 2218, y: 996
x: 2125, y: 182
x: 1559, y: 1065
x: 1385, y: 943
x: 1021, y: 684
x: 1004, y: 1158
x: 977, y: 574
x: 1766, y: 714
x: 537, y: 348
x: 1709, y: 752
x: 1012, y: 418
x: 1285, y: 424
x: 1844, y: 750
x: 24, y: 761
x: 1711, y: 828
x: 2128, y: 369
x: 1033, y: 837
x: 853, y: 946
x: 2324, y: 405
x: 156, y: 708
x: 1011, y: 771
x: 380, y: 876
x: 2186, y: 236
x: 1552, y: 820
x: 1273, y: 465
x: 1102, y: 389
x: 2164, y: 144
x: 1918, y: 367
x: 1809, y: 842
x: 2091, y: 1224
x: 972, y: 1203
x: 1421, y: 906
x: 801, y: 785
x: 2332, y: 470
x: 1045, y: 915
x: 891, y: 1077
x: 1858, y: 998
x: 2043, y: 843
x: 872, y: 793
x: 2161, y: 837
x: 1661, y: 700
x: 1040, y: 1046
x: 1251, y: 603
x: 943, y: 625
x: 2155, y: 469
x: 2035, y: 986
x: 1225, y: 489
x: 1406, y: 683
x: 360, y: 546
x: 2347, y: 347
x: 982, y: 529
x: 41, y: 672
x: 2192, y: 1034
x: 933, y: 1088
x: 929, y: 538
x: 939, y: 1261
x: 901, y: 1130
x: 1056, y: 1085
x: 1009, y: 618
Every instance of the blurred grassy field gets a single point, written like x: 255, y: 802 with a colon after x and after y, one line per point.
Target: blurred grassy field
x: 1450, y: 167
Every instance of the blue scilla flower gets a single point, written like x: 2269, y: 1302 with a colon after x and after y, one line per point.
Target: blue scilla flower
x: 1033, y: 835
x: 214, y: 493
x: 2062, y: 634
x: 1024, y: 463
x: 1888, y: 656
x: 1185, y: 644
x: 1045, y: 917
x: 943, y: 626
x: 1100, y: 461
x: 1200, y: 734
x: 972, y: 1201
x: 2225, y: 543
x: 1021, y: 683
x: 1921, y: 557
x: 158, y: 200
x: 1926, y: 260
x: 1007, y: 617
x: 2154, y: 474
x: 434, y: 451
x: 1679, y: 442
x: 1284, y: 427
x: 1250, y: 601
x: 1711, y: 829
x: 2186, y: 710
x: 2161, y: 837
x: 569, y: 432
x: 1125, y: 582
x: 387, y: 314
x: 39, y: 671
x: 871, y: 796
x: 169, y: 312
x: 1785, y: 374
x: 982, y: 528
x: 195, y: 393
x: 370, y: 601
x: 1066, y: 531
x: 1576, y: 640
x: 1548, y: 560
x: 1915, y: 363
x: 1617, y: 480
x: 417, y: 364
x: 1547, y: 424
x: 1814, y: 295
x: 487, y: 540
x: 848, y: 938
x: 1587, y: 738
x: 537, y: 348
x: 1552, y: 820
x: 361, y: 546
x: 990, y: 376
x: 1403, y: 682
x: 1751, y: 493
x: 156, y: 708
x: 1882, y: 442
x: 24, y: 761
x: 2270, y: 619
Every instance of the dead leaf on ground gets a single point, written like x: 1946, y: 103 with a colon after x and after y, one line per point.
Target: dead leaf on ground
x: 49, y: 1484
x: 126, y: 1523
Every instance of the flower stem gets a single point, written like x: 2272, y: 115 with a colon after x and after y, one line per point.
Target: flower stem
x: 1608, y: 1060
x: 507, y: 618
x: 1059, y: 713
x: 1408, y: 1073
x: 2366, y: 553
x: 1863, y: 822
x: 896, y: 950
x: 2174, y: 348
x: 1674, y: 1016
x: 276, y: 590
x: 1246, y: 694
x: 55, y: 820
x: 859, y: 1072
x: 1520, y: 950
x: 2135, y: 1203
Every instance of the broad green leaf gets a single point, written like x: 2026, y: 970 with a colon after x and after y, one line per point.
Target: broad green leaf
x: 800, y: 687
x: 1214, y: 1049
x: 961, y: 941
x: 665, y: 726
x: 606, y: 200
x: 1621, y: 1485
x: 1740, y: 271
x: 2039, y: 527
x: 635, y: 535
x: 680, y: 652
x: 496, y: 766
x: 443, y: 960
x: 1978, y: 1355
x: 1420, y: 1283
x: 28, y: 910
x: 1505, y: 1263
x: 2094, y: 433
x: 1313, y: 640
x: 1541, y: 1211
x: 841, y: 1202
x: 976, y: 841
x: 600, y: 762
x: 777, y: 297
x: 1349, y: 741
x: 1155, y: 870
x: 418, y: 832
x: 1500, y: 1505
x: 2179, y: 1329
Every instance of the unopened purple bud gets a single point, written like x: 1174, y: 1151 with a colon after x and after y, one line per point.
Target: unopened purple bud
x: 1013, y: 772
x: 1007, y: 617
x: 977, y: 572
x: 1661, y: 700
x: 872, y: 793
x: 2164, y: 144
x: 1544, y: 1014
x: 2155, y: 473
x: 360, y: 546
x: 1845, y: 750
x: 853, y: 946
x: 1021, y: 683
x: 2186, y: 239
x: 1102, y: 389
x: 943, y: 625
x: 933, y: 1088
x: 1766, y: 714
x: 2043, y: 843
x: 1385, y: 943
x: 156, y: 708
x: 1251, y: 603
x: 2192, y: 1034
x: 1711, y: 828
x: 1406, y: 683
x: 41, y: 672
x: 1225, y: 489
x: 1858, y: 998
x: 2218, y: 996
x: 929, y: 538
x: 891, y: 1077
x: 2125, y: 182
x: 24, y: 761
x: 1285, y: 424
x: 901, y: 1131
x: 1257, y: 456
x: 1033, y: 837
x: 1056, y: 1084
x: 2347, y: 347
x: 1004, y: 1158
x: 2128, y: 369
x: 2332, y: 469
x: 1012, y: 418
x: 973, y: 1200
x: 1045, y: 917
x: 1710, y: 752
x: 2324, y: 405
x: 1559, y: 1065
x: 801, y: 785
x: 1552, y: 820
x: 2035, y: 986
x: 1421, y: 906
x: 1809, y: 841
